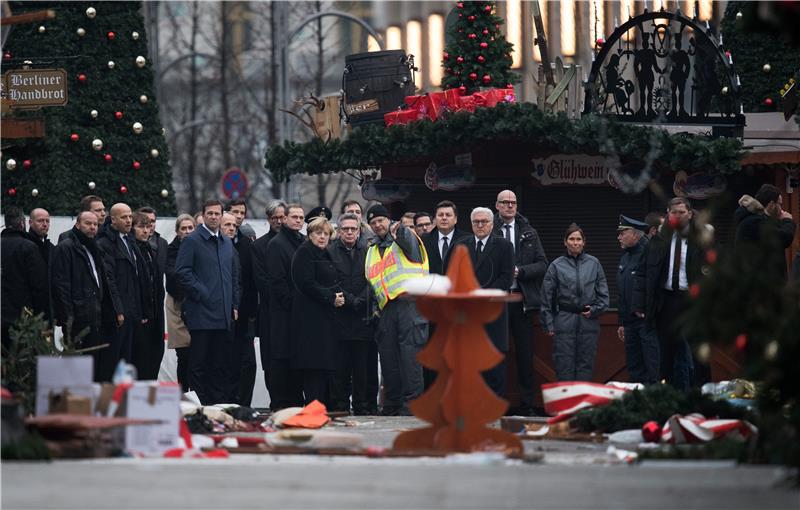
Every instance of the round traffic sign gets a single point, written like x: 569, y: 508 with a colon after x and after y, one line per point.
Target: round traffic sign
x: 234, y: 183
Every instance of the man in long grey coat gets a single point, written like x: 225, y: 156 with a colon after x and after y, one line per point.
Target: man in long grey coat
x: 205, y: 270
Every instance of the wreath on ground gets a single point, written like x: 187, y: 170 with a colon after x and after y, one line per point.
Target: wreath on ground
x: 371, y: 146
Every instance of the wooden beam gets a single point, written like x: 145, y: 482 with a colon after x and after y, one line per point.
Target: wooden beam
x: 23, y: 128
x: 28, y: 17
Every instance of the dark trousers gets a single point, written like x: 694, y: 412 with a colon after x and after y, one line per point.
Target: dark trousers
x: 120, y: 342
x: 263, y: 345
x: 521, y: 326
x: 401, y: 334
x: 207, y: 353
x: 147, y: 351
x: 285, y: 385
x: 103, y: 365
x: 242, y: 371
x: 182, y: 353
x: 642, y: 355
x: 676, y: 357
x: 495, y: 377
x: 352, y: 373
x: 316, y: 385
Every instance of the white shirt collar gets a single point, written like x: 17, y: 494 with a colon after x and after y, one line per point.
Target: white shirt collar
x: 210, y: 232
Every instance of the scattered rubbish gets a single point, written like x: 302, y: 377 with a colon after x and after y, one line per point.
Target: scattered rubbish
x: 315, y: 439
x: 620, y: 455
x: 629, y: 436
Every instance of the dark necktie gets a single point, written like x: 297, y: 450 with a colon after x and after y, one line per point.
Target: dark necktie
x: 479, y: 249
x: 676, y: 264
x: 445, y: 247
x: 508, y: 232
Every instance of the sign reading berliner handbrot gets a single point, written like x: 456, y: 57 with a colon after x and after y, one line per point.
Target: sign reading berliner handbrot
x: 31, y: 88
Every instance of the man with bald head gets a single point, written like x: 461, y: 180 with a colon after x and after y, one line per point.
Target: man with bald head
x: 84, y: 293
x: 530, y: 264
x: 124, y: 261
x: 38, y: 228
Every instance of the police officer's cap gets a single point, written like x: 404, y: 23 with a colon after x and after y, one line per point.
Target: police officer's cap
x: 319, y: 212
x: 626, y: 223
x: 377, y: 211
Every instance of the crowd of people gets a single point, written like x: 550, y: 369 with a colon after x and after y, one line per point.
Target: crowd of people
x: 326, y: 305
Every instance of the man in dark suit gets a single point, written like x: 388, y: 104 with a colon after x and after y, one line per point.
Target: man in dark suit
x: 24, y: 274
x: 206, y: 269
x: 438, y: 243
x: 94, y: 204
x: 243, y: 359
x: 124, y: 261
x: 493, y: 259
x: 38, y: 228
x: 285, y: 388
x: 84, y: 293
x: 530, y: 264
x: 276, y: 215
x: 672, y: 263
x: 158, y: 247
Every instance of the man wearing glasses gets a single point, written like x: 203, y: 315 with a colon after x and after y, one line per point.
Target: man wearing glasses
x: 423, y: 223
x: 530, y: 264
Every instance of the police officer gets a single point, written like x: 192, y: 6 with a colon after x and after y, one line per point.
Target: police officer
x: 396, y: 256
x: 641, y: 341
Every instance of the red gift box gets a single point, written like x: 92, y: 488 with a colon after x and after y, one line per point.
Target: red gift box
x: 401, y: 117
x: 452, y: 99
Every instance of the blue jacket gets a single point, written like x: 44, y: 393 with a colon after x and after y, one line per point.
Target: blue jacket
x: 205, y: 269
x: 629, y: 265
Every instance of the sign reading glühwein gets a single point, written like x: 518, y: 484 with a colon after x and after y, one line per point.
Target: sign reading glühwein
x: 33, y: 88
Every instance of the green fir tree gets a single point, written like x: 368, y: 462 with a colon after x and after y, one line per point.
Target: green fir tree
x: 479, y: 55
x: 102, y: 46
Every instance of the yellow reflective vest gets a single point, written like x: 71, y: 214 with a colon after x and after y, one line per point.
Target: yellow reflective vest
x: 388, y: 274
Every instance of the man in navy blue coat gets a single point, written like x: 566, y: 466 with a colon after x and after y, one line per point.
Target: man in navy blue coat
x: 205, y: 270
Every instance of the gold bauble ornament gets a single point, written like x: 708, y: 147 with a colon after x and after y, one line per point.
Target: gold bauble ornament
x: 137, y: 128
x: 81, y: 32
x: 97, y: 144
x: 42, y: 29
x: 164, y: 193
x: 153, y: 153
x: 11, y: 164
x: 91, y: 13
x: 35, y: 192
x: 143, y: 99
x: 140, y: 61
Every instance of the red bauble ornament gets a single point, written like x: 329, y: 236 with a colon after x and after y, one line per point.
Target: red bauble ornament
x: 741, y: 341
x: 27, y: 164
x: 481, y: 59
x: 118, y: 115
x: 460, y: 60
x: 111, y: 36
x: 74, y: 137
x: 137, y: 165
x: 472, y: 36
x: 123, y: 189
x: 445, y: 56
x: 728, y: 54
x: 487, y: 79
x: 673, y: 221
x: 460, y: 5
x: 651, y: 432
x: 484, y: 45
x: 488, y: 8
x: 509, y: 85
x: 768, y: 101
x: 12, y: 192
x: 462, y: 89
x: 694, y: 290
x: 460, y: 15
x: 7, y: 55
x: 711, y: 256
x: 82, y: 78
x: 485, y: 31
x: 473, y: 76
x: 600, y: 42
x: 108, y: 158
x: 470, y: 18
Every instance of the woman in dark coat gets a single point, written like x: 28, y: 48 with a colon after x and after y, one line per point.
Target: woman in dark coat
x: 148, y: 342
x: 574, y: 295
x: 317, y: 293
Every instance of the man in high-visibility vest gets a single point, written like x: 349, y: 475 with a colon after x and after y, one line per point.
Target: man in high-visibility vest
x: 396, y: 256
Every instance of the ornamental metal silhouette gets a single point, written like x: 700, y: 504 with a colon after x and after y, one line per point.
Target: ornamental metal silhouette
x: 664, y: 67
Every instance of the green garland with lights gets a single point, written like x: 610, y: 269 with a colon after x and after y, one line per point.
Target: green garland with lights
x: 374, y: 145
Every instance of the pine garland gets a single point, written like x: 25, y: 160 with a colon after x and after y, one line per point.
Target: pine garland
x: 372, y: 146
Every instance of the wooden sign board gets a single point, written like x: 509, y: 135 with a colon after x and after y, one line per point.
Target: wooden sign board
x: 573, y: 169
x: 34, y: 88
x: 23, y: 128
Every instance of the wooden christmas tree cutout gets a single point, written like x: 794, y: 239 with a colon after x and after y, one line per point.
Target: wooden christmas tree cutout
x: 459, y: 404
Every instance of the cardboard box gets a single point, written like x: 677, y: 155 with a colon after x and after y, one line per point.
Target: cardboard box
x: 54, y: 374
x: 150, y: 400
x: 66, y: 403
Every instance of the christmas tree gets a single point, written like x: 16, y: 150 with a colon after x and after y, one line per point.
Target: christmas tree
x: 107, y: 140
x: 479, y: 55
x: 763, y: 40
